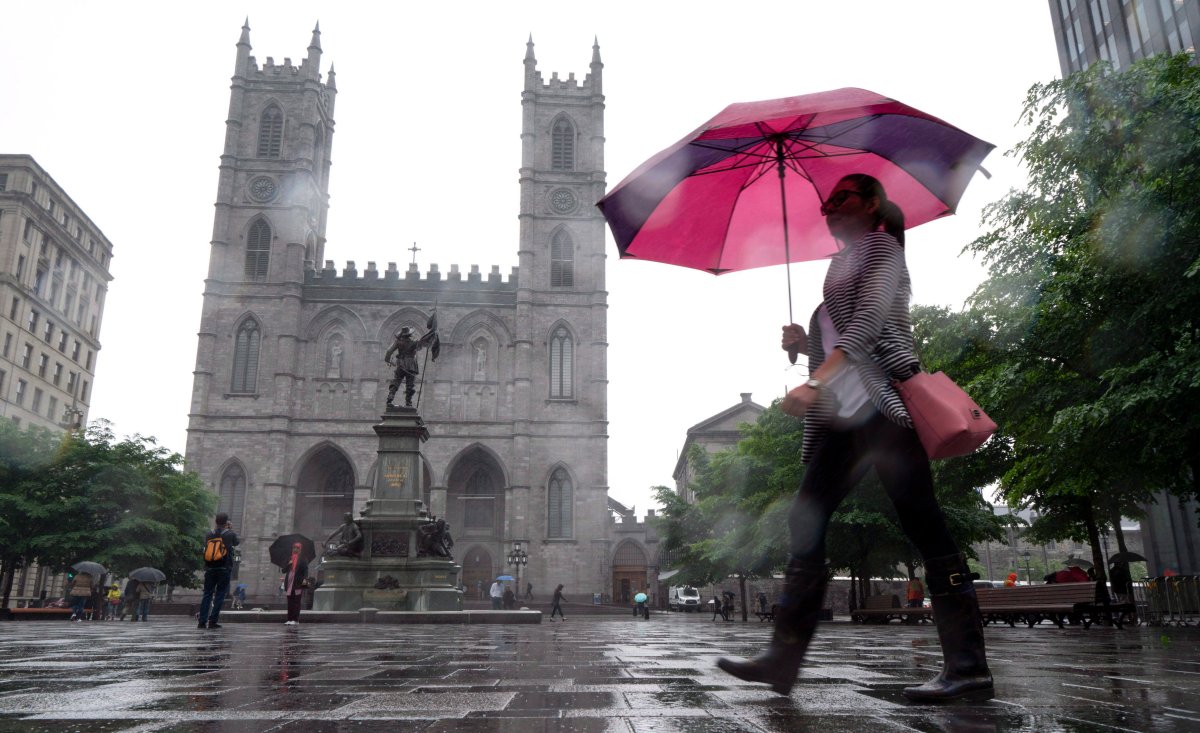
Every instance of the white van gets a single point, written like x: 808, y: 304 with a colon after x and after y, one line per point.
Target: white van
x: 683, y: 598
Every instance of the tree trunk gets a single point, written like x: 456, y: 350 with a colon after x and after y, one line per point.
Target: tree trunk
x: 1118, y: 533
x: 7, y: 575
x: 745, y: 603
x: 1093, y: 533
x: 852, y: 601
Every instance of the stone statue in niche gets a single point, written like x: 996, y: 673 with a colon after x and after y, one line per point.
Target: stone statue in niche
x: 480, y: 359
x: 333, y: 362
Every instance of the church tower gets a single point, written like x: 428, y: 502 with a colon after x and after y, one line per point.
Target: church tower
x: 269, y: 227
x: 561, y: 314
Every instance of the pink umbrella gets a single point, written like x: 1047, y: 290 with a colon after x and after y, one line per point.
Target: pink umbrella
x: 745, y: 189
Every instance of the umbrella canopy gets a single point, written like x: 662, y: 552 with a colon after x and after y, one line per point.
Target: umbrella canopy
x: 281, y: 549
x: 148, y: 575
x: 745, y: 189
x: 93, y: 569
x: 1078, y: 562
x: 505, y: 577
x: 639, y: 598
x: 1126, y: 557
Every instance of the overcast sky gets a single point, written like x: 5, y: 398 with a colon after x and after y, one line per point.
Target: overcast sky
x: 124, y: 105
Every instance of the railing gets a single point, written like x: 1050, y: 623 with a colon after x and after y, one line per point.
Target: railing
x: 1172, y: 600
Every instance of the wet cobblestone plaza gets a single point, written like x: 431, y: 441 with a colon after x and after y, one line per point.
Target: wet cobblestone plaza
x: 587, y: 675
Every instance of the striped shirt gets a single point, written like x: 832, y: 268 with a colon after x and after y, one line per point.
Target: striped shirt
x: 866, y: 291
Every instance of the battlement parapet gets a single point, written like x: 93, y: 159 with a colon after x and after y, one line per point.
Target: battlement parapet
x: 351, y: 277
x: 271, y: 69
x: 556, y: 84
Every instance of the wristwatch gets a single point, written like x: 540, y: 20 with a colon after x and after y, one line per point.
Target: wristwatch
x: 814, y: 383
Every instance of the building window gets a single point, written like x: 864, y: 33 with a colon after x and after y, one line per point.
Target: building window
x: 270, y: 132
x: 88, y: 364
x: 33, y: 320
x: 57, y: 373
x: 75, y: 351
x: 62, y: 342
x: 36, y: 406
x: 43, y: 362
x: 7, y: 344
x: 233, y: 494
x: 12, y: 310
x: 479, y: 512
x: 3, y: 181
x: 562, y: 146
x: 49, y: 331
x: 26, y: 356
x: 29, y: 230
x: 71, y: 377
x: 562, y: 260
x: 559, y: 502
x: 561, y: 364
x: 20, y: 266
x: 52, y: 408
x: 20, y: 392
x: 258, y: 250
x: 245, y: 357
x: 83, y: 391
x: 3, y: 374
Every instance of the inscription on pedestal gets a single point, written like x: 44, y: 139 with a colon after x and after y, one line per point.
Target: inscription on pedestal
x: 395, y: 475
x: 389, y: 544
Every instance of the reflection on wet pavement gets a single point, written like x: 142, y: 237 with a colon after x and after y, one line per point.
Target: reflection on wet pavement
x: 595, y: 676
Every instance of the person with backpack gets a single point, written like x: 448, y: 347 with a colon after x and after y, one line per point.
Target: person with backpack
x: 218, y: 566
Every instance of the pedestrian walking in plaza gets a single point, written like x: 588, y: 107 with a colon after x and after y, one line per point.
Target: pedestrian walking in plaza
x: 294, y: 581
x: 529, y: 591
x: 145, y: 594
x: 479, y: 585
x: 128, y: 599
x: 239, y: 597
x: 762, y: 603
x: 716, y: 604
x: 112, y: 602
x: 497, y: 594
x: 858, y: 344
x: 556, y: 603
x: 915, y: 593
x: 218, y: 565
x: 80, y: 593
x: 510, y: 599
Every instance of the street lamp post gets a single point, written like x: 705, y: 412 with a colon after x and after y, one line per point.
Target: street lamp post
x: 518, y: 559
x: 1028, y: 570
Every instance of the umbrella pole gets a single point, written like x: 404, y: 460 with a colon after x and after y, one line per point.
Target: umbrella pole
x: 787, y: 250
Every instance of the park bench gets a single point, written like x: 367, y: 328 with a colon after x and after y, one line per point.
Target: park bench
x: 767, y: 615
x: 1061, y: 603
x: 881, y: 609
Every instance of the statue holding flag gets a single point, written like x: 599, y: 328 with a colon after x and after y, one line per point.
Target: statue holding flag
x: 405, y: 348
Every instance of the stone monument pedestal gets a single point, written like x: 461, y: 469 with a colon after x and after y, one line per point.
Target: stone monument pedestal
x: 390, y: 574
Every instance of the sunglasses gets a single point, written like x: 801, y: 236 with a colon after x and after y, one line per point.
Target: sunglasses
x: 834, y: 202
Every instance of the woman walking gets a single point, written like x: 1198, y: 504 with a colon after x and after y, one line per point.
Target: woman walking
x: 556, y: 605
x: 293, y: 585
x: 859, y: 341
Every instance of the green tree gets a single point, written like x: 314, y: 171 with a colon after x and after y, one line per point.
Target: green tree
x: 24, y: 454
x: 1093, y: 297
x: 123, y: 503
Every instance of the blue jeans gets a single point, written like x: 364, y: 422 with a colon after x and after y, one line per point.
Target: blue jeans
x: 77, y: 604
x: 496, y: 603
x: 216, y: 585
x: 143, y: 609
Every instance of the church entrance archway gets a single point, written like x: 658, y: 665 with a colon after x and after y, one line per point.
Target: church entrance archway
x: 629, y: 572
x: 475, y: 497
x: 477, y: 572
x: 324, y: 492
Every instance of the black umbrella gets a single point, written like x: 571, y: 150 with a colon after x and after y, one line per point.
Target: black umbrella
x: 1078, y: 562
x: 281, y: 549
x: 148, y: 575
x: 1126, y: 557
x: 93, y: 569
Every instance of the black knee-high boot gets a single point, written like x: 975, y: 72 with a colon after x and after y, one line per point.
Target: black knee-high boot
x: 795, y: 621
x: 960, y: 629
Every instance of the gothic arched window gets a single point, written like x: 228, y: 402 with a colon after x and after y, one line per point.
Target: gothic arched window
x: 561, y: 358
x: 232, y: 493
x: 270, y: 132
x: 258, y: 250
x: 562, y: 260
x: 558, y: 504
x: 562, y: 145
x: 479, y: 512
x: 245, y: 357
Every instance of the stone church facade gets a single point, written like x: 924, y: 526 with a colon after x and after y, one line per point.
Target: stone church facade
x: 290, y: 376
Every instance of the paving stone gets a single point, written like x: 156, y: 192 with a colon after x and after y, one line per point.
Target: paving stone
x: 594, y: 676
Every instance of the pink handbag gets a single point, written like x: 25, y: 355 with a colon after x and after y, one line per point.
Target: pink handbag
x: 948, y: 421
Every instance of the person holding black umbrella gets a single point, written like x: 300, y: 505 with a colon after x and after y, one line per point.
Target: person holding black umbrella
x: 294, y: 582
x: 859, y: 344
x: 218, y: 566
